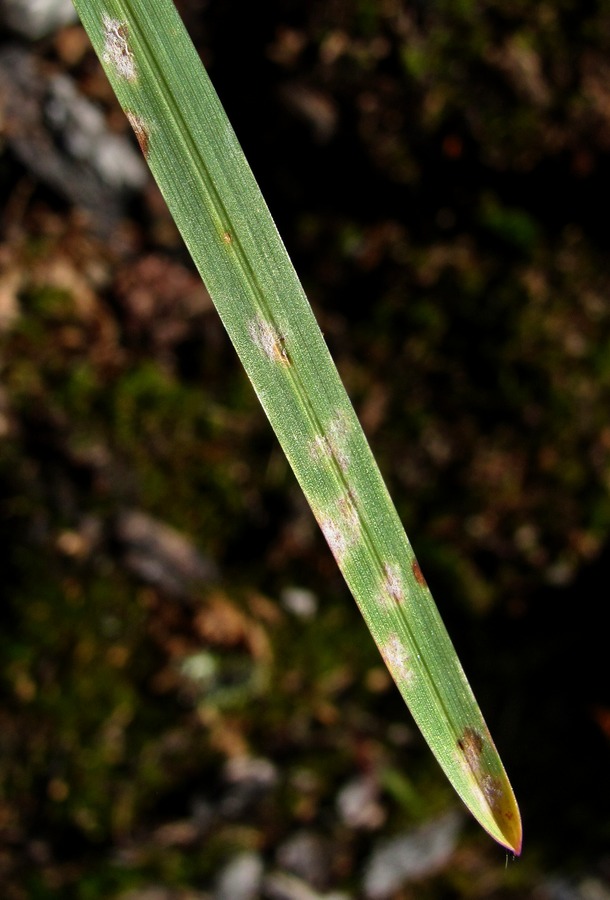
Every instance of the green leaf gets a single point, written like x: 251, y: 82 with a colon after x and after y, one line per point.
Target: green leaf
x: 197, y: 161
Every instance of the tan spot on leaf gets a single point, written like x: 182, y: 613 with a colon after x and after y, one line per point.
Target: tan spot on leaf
x: 140, y: 130
x: 269, y: 340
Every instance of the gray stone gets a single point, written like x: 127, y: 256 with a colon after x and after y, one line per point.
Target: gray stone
x: 241, y: 878
x: 34, y: 19
x: 359, y: 805
x: 62, y: 139
x: 411, y: 857
x: 249, y: 779
x: 161, y: 555
x: 281, y: 886
x: 300, y: 602
x: 307, y: 855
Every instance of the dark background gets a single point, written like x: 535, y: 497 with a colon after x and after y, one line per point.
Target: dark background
x: 440, y: 175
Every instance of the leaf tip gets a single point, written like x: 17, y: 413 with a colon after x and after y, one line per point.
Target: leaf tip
x: 499, y: 812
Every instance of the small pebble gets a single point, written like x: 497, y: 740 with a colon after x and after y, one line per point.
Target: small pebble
x: 241, y: 878
x: 418, y: 854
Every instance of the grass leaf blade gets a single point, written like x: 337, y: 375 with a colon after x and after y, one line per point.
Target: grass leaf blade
x: 211, y: 192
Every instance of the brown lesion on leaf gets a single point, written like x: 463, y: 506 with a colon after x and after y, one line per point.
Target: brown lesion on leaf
x: 227, y: 237
x: 141, y: 131
x: 282, y: 352
x: 471, y: 745
x: 493, y: 793
x: 418, y: 574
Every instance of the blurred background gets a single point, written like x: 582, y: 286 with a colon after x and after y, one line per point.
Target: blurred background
x: 191, y: 705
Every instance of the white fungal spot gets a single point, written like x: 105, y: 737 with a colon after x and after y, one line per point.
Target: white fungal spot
x: 341, y: 530
x: 117, y: 51
x: 335, y: 537
x: 392, y: 589
x: 319, y: 449
x: 332, y: 444
x: 396, y: 659
x: 268, y: 339
x: 337, y: 433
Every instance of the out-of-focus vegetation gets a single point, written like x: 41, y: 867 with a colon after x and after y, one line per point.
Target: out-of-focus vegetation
x: 439, y: 173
